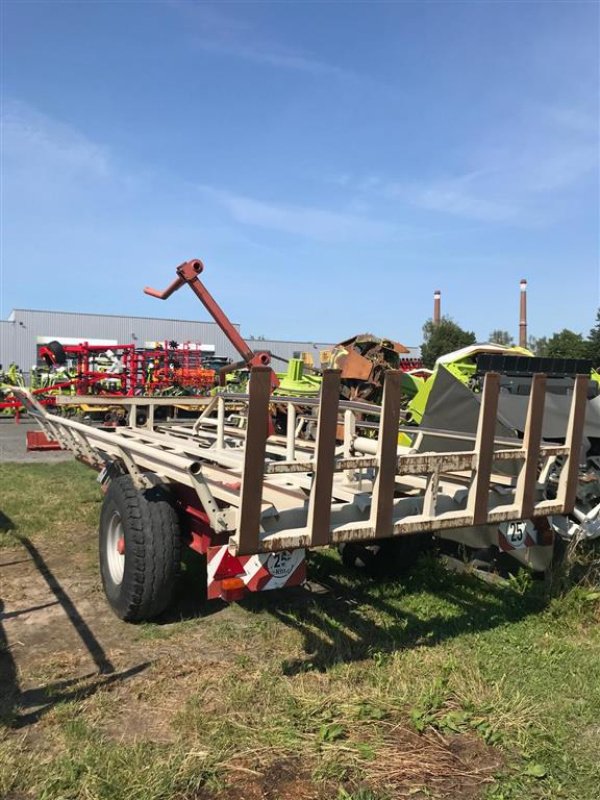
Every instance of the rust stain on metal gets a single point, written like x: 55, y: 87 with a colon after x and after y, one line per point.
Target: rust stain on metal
x: 355, y: 366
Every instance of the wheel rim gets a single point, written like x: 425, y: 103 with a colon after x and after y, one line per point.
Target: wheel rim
x: 115, y: 550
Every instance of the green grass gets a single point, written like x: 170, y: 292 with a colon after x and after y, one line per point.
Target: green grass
x: 41, y: 500
x: 362, y: 690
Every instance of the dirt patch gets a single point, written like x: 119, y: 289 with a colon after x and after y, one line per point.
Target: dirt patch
x: 444, y: 766
x: 145, y: 707
x: 410, y: 765
x: 284, y: 778
x: 59, y: 641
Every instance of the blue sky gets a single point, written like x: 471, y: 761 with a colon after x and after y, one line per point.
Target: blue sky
x: 331, y: 163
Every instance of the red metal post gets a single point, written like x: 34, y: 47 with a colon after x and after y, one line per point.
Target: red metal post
x: 188, y: 273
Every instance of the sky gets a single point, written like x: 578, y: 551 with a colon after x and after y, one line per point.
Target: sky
x: 331, y: 163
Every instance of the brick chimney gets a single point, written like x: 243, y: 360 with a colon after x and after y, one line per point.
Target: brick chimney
x: 523, y: 314
x: 437, y: 307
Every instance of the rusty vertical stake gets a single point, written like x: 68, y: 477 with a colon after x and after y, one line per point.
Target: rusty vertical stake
x: 319, y: 505
x: 567, y: 484
x: 382, y: 504
x: 525, y: 489
x: 477, y: 504
x: 246, y: 540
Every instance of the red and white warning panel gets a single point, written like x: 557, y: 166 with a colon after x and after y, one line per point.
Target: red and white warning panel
x: 231, y: 577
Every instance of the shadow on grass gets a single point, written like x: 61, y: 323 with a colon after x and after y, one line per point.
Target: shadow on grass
x: 20, y: 708
x: 359, y: 617
x: 6, y: 523
x: 85, y: 633
x: 44, y: 698
x: 351, y: 617
x: 190, y: 598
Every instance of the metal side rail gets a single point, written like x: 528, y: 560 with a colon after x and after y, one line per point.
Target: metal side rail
x: 274, y: 493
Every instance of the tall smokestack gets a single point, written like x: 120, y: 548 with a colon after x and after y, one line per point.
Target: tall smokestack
x: 523, y: 315
x: 437, y: 307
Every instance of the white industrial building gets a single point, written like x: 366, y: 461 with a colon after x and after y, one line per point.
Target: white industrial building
x: 25, y: 329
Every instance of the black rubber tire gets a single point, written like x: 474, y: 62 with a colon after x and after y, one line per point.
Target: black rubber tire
x: 152, y: 559
x: 388, y: 557
x: 58, y: 351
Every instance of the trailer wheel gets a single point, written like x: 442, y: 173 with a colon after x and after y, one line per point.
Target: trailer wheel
x: 388, y: 557
x: 140, y: 549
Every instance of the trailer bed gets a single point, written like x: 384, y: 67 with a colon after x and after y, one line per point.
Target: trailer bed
x: 272, y: 492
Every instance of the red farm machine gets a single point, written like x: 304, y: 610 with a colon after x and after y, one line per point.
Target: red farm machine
x: 127, y: 369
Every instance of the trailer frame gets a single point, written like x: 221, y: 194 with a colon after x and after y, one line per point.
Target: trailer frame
x: 245, y: 493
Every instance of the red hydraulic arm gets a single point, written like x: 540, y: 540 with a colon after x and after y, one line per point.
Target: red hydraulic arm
x: 188, y: 273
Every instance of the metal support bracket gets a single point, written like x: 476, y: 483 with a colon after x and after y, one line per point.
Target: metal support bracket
x: 217, y: 517
x: 140, y: 480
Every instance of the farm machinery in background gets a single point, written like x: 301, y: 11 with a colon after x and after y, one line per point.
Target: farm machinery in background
x: 85, y: 370
x: 363, y: 361
x: 12, y: 378
x: 127, y: 369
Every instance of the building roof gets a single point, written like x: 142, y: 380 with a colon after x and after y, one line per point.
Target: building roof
x: 113, y: 316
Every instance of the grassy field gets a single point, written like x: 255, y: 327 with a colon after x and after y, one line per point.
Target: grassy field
x: 430, y: 686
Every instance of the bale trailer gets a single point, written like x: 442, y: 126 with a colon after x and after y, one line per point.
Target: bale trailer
x: 252, y: 501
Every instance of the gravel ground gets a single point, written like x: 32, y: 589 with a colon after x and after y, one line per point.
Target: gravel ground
x: 13, y: 446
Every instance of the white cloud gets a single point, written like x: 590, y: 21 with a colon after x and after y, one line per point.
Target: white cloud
x: 575, y: 119
x: 216, y: 32
x: 51, y: 168
x: 452, y: 198
x: 562, y: 168
x: 308, y: 221
x: 37, y: 143
x: 517, y: 175
x: 275, y: 56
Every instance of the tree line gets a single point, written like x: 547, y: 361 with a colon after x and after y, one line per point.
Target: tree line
x: 447, y: 336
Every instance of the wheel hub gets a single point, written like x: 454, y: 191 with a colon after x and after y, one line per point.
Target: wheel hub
x: 115, y: 549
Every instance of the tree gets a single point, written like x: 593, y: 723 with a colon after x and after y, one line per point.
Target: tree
x: 501, y: 337
x: 567, y: 344
x: 443, y: 338
x: 593, y: 343
x: 538, y: 346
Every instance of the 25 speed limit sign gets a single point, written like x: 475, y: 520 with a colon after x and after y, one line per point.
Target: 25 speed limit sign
x: 518, y: 533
